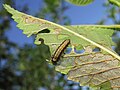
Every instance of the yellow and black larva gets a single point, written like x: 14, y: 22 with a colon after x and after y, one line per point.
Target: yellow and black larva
x: 56, y: 56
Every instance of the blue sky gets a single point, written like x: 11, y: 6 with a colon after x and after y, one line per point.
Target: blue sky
x: 89, y: 14
x: 78, y: 15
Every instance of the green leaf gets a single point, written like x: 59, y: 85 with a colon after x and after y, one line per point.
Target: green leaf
x: 22, y: 66
x: 115, y: 2
x: 105, y: 86
x: 95, y: 69
x: 80, y: 2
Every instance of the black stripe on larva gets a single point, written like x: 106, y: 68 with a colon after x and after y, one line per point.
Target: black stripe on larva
x: 59, y: 51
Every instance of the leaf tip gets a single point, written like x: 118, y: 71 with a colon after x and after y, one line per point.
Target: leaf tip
x: 6, y: 6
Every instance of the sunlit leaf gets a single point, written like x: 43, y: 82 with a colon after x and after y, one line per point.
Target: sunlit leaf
x: 80, y: 2
x: 96, y: 64
x: 115, y: 2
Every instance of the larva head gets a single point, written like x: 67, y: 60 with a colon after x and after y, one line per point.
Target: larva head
x: 54, y: 60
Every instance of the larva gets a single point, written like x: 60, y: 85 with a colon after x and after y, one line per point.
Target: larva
x: 59, y: 51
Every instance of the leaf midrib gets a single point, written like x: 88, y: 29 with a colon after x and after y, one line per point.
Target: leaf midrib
x: 80, y: 36
x: 92, y: 42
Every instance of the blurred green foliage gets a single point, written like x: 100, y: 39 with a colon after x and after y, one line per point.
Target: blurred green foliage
x: 7, y: 76
x: 113, y: 15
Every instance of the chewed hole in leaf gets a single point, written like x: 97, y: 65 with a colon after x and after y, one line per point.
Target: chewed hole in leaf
x: 68, y: 50
x: 44, y: 31
x: 79, y: 51
x: 113, y: 47
x: 96, y: 49
x: 41, y: 40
